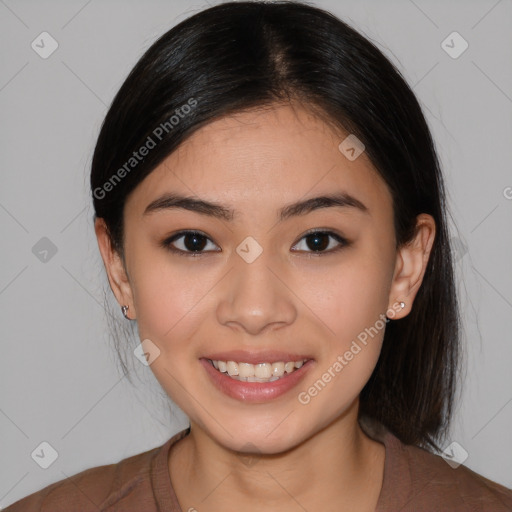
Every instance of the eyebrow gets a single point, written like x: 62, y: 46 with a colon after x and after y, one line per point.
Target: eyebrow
x: 170, y: 201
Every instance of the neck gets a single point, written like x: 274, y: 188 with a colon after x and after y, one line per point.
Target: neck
x: 338, y: 468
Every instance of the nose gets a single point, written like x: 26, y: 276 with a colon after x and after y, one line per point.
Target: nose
x: 256, y: 296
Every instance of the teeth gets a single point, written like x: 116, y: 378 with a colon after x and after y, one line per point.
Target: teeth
x: 232, y: 368
x: 261, y: 372
x: 289, y: 367
x: 245, y: 370
x: 278, y: 369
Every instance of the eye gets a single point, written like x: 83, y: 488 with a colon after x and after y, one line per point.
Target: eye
x: 193, y: 243
x: 318, y: 241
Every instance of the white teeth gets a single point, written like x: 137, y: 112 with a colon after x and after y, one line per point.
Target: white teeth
x: 261, y: 372
x: 277, y: 369
x: 289, y: 367
x: 245, y: 370
x: 232, y: 368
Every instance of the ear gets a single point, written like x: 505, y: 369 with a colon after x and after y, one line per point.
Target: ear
x: 115, y: 267
x: 410, y: 266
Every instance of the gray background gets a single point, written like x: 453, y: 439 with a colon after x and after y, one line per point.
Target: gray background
x: 59, y: 379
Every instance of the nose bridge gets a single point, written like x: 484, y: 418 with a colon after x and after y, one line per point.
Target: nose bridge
x: 254, y: 297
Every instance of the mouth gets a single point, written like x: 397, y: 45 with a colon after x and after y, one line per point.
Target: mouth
x: 260, y: 372
x: 257, y: 381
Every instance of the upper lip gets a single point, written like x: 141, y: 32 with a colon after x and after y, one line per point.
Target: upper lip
x: 266, y: 356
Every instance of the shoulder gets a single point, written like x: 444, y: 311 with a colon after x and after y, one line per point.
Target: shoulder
x: 420, y: 481
x: 96, y: 488
x: 432, y: 484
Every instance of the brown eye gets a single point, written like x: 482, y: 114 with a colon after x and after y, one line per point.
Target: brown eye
x: 319, y: 241
x: 188, y: 243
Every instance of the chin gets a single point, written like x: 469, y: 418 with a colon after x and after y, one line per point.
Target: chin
x: 271, y: 438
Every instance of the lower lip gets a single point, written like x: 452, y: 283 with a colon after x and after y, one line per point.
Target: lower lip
x: 255, y: 391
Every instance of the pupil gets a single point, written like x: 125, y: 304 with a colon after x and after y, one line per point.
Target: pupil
x: 316, y: 237
x: 198, y: 245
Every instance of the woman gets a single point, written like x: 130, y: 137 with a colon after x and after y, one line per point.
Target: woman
x: 270, y: 211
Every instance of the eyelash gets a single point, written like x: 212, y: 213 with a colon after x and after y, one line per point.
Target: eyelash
x: 166, y: 244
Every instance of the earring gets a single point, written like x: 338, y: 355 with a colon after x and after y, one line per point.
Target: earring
x: 124, y: 309
x: 402, y: 306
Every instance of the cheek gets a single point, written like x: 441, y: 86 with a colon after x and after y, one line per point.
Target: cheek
x: 351, y: 302
x: 347, y: 298
x: 353, y: 352
x: 169, y: 303
x: 169, y: 312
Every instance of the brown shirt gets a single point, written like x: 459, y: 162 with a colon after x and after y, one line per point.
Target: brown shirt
x: 414, y: 480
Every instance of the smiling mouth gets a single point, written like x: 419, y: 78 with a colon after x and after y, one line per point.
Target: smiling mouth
x: 261, y: 372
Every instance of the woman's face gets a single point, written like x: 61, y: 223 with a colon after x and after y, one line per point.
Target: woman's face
x: 262, y: 290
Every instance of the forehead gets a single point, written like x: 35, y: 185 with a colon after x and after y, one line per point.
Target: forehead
x: 268, y: 157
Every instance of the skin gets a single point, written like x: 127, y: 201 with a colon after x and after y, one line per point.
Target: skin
x: 313, y: 455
